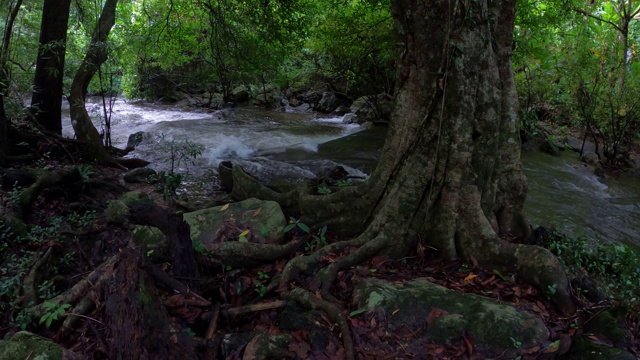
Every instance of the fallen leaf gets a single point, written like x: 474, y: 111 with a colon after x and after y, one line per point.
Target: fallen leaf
x: 468, y: 343
x: 470, y: 277
x: 488, y: 281
x: 200, y: 218
x: 257, y: 212
x: 395, y: 312
x: 225, y: 207
x: 553, y: 347
x: 244, y: 233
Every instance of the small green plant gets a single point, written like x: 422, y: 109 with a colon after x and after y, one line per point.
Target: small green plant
x: 261, y: 288
x: 85, y: 171
x: 344, y: 183
x: 293, y: 223
x: 14, y: 194
x: 54, y: 311
x: 552, y: 289
x: 323, y: 190
x: 516, y: 343
x: 177, y: 153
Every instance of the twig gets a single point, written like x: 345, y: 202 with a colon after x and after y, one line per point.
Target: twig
x: 213, y: 324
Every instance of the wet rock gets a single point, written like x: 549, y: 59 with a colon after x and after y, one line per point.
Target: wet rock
x: 373, y: 107
x: 575, y: 144
x: 293, y: 318
x: 332, y: 175
x: 342, y: 109
x: 25, y: 345
x: 450, y: 314
x: 136, y: 139
x: 590, y: 158
x: 549, y: 147
x: 264, y: 220
x: 328, y: 103
x: 140, y: 175
x: 273, y: 99
x: 241, y: 93
x: 229, y: 105
x: 350, y: 118
x: 302, y: 108
x: 599, y: 172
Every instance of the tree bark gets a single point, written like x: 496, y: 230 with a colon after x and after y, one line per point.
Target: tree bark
x: 96, y: 55
x: 4, y: 79
x: 46, y: 99
x: 450, y: 170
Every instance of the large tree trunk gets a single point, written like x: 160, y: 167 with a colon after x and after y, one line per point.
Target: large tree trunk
x: 47, y: 86
x: 96, y: 55
x: 450, y: 170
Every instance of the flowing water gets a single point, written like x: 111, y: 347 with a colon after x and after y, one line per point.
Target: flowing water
x: 270, y: 145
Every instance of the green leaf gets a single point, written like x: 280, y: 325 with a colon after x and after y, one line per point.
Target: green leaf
x: 243, y: 239
x: 289, y: 227
x: 357, y: 312
x: 304, y: 227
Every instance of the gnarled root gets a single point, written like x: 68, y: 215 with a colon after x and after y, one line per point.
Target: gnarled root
x: 333, y: 311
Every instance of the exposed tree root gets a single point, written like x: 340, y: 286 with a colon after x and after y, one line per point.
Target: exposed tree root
x: 333, y: 311
x: 309, y: 264
x: 83, y: 288
x: 30, y: 281
x: 45, y: 180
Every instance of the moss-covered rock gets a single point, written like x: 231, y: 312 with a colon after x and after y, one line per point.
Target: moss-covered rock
x: 25, y: 345
x: 15, y: 227
x: 493, y: 327
x: 116, y: 212
x: 264, y: 220
x: 584, y: 349
x: 153, y: 240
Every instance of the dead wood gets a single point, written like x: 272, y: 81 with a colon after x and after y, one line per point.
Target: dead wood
x: 138, y: 326
x: 183, y: 256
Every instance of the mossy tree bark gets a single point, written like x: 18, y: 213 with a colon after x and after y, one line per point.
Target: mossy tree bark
x: 450, y: 172
x: 96, y: 55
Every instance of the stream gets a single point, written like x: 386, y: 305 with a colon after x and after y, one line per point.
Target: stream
x: 271, y: 145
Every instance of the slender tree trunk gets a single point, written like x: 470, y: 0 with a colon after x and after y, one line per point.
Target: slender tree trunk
x: 96, y: 55
x: 47, y: 94
x: 4, y: 79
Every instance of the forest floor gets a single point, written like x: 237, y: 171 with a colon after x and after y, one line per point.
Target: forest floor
x: 69, y: 221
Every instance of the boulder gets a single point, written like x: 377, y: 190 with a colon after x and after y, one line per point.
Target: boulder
x: 140, y: 175
x: 117, y: 211
x: 241, y: 93
x: 136, y: 139
x: 25, y: 345
x: 441, y: 315
x: 341, y: 110
x: 575, y: 144
x: 590, y: 158
x: 271, y: 100
x: 549, y: 147
x: 373, y: 107
x: 264, y: 220
x: 328, y: 103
